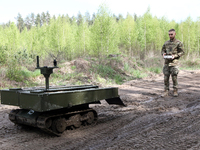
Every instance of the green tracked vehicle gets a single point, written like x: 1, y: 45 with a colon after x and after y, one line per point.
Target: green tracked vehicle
x: 56, y: 108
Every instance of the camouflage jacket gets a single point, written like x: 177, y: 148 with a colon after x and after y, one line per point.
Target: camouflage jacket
x: 172, y: 47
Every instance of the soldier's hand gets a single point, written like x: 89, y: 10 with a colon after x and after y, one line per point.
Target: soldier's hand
x: 172, y: 56
x: 164, y: 55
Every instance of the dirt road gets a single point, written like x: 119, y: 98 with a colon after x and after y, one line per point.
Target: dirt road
x: 148, y: 122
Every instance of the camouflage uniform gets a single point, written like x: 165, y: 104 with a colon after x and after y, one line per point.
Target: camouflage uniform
x: 172, y: 47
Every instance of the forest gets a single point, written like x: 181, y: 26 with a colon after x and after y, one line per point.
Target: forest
x: 98, y: 36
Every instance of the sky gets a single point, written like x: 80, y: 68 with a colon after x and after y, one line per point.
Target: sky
x: 178, y: 10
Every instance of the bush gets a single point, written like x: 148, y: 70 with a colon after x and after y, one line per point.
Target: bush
x: 138, y: 74
x: 192, y: 63
x: 14, y: 72
x: 118, y: 79
x: 105, y: 71
x: 2, y: 55
x: 126, y: 67
x: 155, y: 70
x: 18, y: 73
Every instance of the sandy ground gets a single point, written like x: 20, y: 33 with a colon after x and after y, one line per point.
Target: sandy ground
x: 148, y: 122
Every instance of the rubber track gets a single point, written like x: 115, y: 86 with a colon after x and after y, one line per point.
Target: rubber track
x: 42, y: 119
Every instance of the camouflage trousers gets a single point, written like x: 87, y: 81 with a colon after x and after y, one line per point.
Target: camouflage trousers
x: 173, y: 71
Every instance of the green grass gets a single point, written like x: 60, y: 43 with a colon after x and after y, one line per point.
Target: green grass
x: 126, y: 67
x: 190, y: 68
x: 73, y: 67
x: 28, y: 74
x: 156, y: 70
x: 104, y: 71
x: 138, y: 74
x: 107, y: 74
x: 119, y: 79
x: 18, y: 73
x: 107, y: 71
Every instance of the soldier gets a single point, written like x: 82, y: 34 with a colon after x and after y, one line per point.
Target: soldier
x: 172, y: 50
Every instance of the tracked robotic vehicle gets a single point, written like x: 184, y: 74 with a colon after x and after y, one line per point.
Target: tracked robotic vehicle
x: 56, y: 108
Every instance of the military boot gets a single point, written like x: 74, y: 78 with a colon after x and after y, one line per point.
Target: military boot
x: 175, y: 92
x: 166, y: 93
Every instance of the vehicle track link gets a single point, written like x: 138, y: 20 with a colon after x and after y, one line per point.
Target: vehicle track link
x: 58, y: 123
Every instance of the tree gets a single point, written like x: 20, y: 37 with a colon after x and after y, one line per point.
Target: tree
x: 38, y: 20
x: 27, y: 23
x: 164, y: 27
x: 104, y: 33
x: 128, y: 33
x: 93, y: 18
x: 79, y: 18
x: 2, y: 45
x: 189, y: 37
x: 54, y: 17
x: 198, y: 35
x: 82, y: 38
x: 6, y: 24
x: 12, y: 38
x: 87, y: 18
x: 20, y: 22
x: 148, y: 32
x: 135, y: 17
x: 43, y: 19
x: 32, y: 19
x: 48, y: 17
x: 119, y: 18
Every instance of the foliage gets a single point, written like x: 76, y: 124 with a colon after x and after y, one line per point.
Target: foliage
x: 3, y: 55
x: 14, y: 72
x: 65, y: 38
x: 103, y: 34
x: 138, y: 74
x: 118, y: 79
x: 18, y: 73
x: 104, y: 70
x: 156, y: 70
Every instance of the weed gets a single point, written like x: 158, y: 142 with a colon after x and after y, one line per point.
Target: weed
x: 117, y: 59
x: 138, y: 74
x: 3, y: 71
x: 189, y: 68
x: 28, y: 74
x: 118, y: 79
x: 3, y: 55
x: 56, y: 75
x: 78, y: 83
x: 192, y: 63
x: 104, y: 70
x: 14, y: 72
x: 18, y: 73
x: 100, y: 79
x: 73, y: 67
x: 156, y: 70
x: 126, y: 67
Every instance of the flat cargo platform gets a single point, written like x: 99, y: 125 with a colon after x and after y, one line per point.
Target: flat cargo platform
x: 39, y: 99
